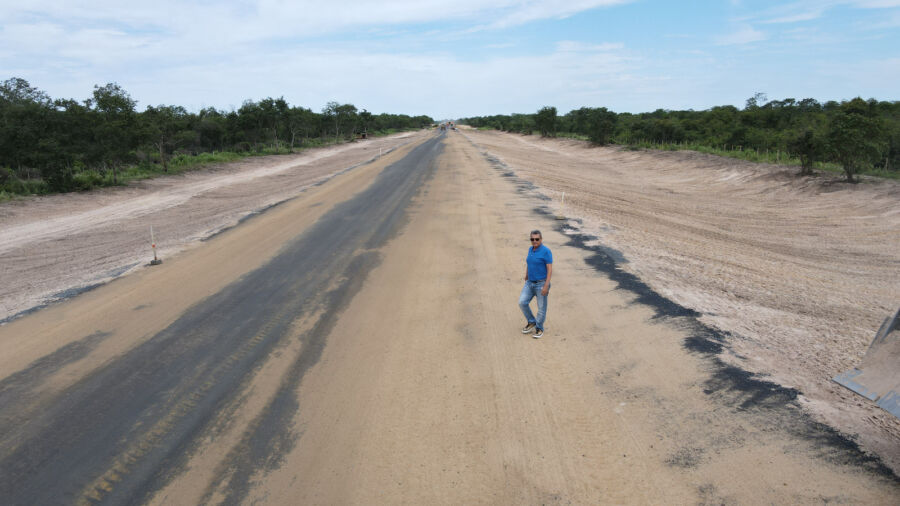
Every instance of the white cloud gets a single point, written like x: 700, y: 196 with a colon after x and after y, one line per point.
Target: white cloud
x: 401, y: 56
x: 808, y: 10
x: 528, y: 11
x: 217, y: 53
x: 877, y: 4
x: 886, y: 22
x: 103, y: 31
x: 867, y: 78
x: 282, y: 18
x: 573, y: 46
x: 806, y: 15
x: 437, y: 84
x: 745, y: 34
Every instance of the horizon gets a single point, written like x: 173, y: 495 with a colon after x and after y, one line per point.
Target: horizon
x: 463, y: 59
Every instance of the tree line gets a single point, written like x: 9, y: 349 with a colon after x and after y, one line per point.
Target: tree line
x: 859, y: 135
x: 53, y: 145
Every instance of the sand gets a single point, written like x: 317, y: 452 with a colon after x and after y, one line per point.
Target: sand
x: 800, y: 272
x: 54, y: 246
x: 426, y: 392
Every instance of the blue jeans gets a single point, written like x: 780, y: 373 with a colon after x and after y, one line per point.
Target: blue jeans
x: 531, y: 290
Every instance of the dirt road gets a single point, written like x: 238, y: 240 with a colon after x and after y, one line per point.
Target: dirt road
x: 797, y: 274
x: 360, y: 344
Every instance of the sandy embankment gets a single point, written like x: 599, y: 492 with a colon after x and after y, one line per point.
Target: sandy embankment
x: 51, y: 247
x: 800, y: 272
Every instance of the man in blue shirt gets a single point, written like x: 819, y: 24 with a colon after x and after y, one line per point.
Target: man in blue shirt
x: 538, y: 269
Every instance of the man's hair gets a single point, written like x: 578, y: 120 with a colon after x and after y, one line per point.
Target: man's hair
x: 537, y: 232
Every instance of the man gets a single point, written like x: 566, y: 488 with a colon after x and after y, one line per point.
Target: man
x: 538, y: 269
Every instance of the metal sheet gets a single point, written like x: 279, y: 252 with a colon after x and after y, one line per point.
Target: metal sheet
x: 848, y: 380
x: 891, y: 403
x: 877, y: 378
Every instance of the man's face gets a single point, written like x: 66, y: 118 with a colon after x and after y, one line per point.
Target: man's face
x: 535, y: 241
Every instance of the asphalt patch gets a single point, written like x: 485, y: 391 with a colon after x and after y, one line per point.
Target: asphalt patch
x: 21, y: 383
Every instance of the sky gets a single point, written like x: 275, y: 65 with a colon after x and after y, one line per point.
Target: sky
x: 456, y: 58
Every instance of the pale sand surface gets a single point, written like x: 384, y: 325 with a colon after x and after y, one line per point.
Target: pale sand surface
x: 54, y: 244
x: 427, y: 393
x: 800, y: 272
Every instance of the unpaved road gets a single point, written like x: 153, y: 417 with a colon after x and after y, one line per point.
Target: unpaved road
x: 796, y: 273
x: 360, y: 344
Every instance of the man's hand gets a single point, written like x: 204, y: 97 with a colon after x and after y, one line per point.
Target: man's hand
x: 545, y: 290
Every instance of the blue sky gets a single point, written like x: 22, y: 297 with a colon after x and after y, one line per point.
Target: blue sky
x: 456, y: 58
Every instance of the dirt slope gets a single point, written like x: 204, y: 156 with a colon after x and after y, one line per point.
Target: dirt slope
x: 799, y: 272
x: 53, y: 246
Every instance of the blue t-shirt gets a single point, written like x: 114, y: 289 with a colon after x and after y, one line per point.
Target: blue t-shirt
x: 537, y: 262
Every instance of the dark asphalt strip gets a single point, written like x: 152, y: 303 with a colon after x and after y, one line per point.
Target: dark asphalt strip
x: 121, y: 433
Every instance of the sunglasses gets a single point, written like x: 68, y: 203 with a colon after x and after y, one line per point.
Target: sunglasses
x: 535, y: 239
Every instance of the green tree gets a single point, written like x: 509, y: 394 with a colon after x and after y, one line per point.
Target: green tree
x: 272, y: 114
x: 545, y: 120
x: 601, y: 123
x: 74, y: 130
x: 807, y: 145
x: 341, y: 116
x: 522, y: 123
x: 250, y: 125
x: 115, y: 132
x: 365, y: 119
x: 577, y: 120
x: 162, y: 125
x: 892, y: 160
x: 855, y: 137
x: 24, y: 115
x: 300, y: 122
x: 757, y: 100
x: 210, y: 128
x: 18, y: 91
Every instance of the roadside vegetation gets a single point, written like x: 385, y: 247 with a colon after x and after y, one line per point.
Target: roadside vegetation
x: 851, y: 137
x: 58, y: 145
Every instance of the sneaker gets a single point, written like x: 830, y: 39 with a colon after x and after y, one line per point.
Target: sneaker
x: 538, y: 333
x: 528, y: 328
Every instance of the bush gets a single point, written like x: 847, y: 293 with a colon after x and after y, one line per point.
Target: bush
x: 25, y: 186
x: 88, y: 179
x: 59, y: 177
x: 6, y: 174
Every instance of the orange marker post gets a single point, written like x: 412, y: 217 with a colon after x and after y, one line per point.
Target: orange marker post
x: 155, y: 261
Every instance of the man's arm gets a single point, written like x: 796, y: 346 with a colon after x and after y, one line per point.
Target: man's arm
x: 546, y: 289
x: 526, y: 271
